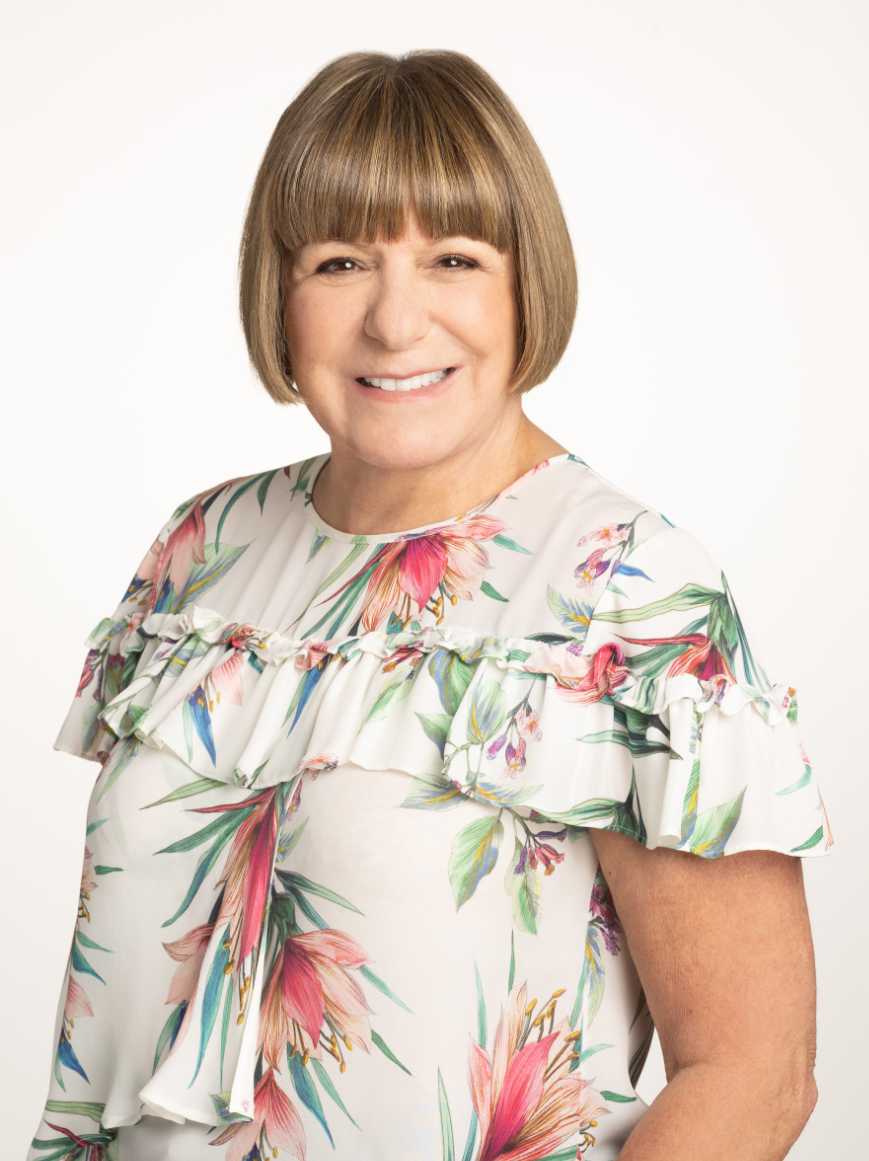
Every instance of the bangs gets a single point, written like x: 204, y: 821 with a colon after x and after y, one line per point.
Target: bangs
x: 377, y: 153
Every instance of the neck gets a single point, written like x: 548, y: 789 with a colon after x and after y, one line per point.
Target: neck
x: 361, y: 496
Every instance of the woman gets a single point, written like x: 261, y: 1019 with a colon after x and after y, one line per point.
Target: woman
x: 386, y: 857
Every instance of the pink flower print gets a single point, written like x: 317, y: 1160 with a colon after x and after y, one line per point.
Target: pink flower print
x: 702, y: 658
x: 311, y: 1001
x: 238, y: 634
x: 408, y: 572
x: 76, y: 1004
x: 563, y: 662
x: 88, y: 670
x: 524, y: 726
x: 535, y: 851
x: 604, y: 673
x: 311, y: 655
x: 174, y: 559
x: 275, y: 1126
x: 247, y: 874
x: 246, y: 880
x: 514, y: 757
x: 603, y: 909
x: 588, y: 570
x: 317, y: 763
x: 528, y: 722
x: 188, y: 951
x: 610, y: 534
x: 528, y: 1104
x: 224, y: 680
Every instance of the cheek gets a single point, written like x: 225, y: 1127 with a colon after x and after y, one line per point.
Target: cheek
x: 485, y: 320
x: 317, y: 332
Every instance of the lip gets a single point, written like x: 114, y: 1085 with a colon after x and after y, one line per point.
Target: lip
x: 409, y: 375
x: 430, y: 392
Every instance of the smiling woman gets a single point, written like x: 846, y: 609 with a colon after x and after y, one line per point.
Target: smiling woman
x: 435, y: 767
x: 375, y: 141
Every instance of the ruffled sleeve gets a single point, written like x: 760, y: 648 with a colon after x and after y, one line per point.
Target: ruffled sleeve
x: 116, y: 649
x: 698, y: 749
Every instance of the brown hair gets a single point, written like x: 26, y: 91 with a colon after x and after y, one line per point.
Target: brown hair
x: 372, y: 134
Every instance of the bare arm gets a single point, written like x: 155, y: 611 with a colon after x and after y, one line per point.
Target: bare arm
x: 723, y: 948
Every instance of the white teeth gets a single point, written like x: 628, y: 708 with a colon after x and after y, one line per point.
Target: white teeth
x: 406, y: 384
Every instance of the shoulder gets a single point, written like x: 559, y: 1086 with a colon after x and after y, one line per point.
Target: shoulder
x: 623, y: 532
x: 243, y: 503
x: 606, y: 560
x: 582, y: 525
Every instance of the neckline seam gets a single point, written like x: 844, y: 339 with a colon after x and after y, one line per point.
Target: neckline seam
x: 328, y: 530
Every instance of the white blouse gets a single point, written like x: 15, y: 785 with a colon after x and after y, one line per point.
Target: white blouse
x: 338, y: 897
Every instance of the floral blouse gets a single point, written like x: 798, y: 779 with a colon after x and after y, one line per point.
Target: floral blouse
x: 338, y: 897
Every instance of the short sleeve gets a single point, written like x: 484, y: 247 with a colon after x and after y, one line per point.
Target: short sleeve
x: 115, y: 646
x: 717, y: 762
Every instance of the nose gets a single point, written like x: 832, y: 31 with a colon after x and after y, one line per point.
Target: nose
x: 398, y: 311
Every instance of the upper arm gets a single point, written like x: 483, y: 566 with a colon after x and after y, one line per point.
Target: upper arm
x: 723, y: 949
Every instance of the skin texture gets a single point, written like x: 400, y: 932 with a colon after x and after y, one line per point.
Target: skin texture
x: 723, y: 948
x: 406, y: 306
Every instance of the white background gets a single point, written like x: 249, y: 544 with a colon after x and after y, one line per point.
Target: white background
x: 711, y: 159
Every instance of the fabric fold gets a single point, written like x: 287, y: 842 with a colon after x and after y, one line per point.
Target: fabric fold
x: 536, y: 725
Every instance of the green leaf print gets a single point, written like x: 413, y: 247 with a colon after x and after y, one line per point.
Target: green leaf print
x: 714, y: 827
x: 217, y: 976
x: 491, y: 591
x: 688, y: 597
x: 328, y: 1084
x: 506, y: 542
x: 524, y: 889
x: 571, y: 614
x: 92, y: 1109
x: 296, y: 881
x: 394, y: 692
x: 433, y: 796
x: 377, y: 1039
x: 306, y: 1090
x: 202, y: 577
x: 448, y: 1148
x: 452, y: 676
x: 437, y: 728
x: 473, y: 854
x: 487, y: 711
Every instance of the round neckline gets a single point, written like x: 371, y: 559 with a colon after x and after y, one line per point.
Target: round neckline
x: 334, y: 533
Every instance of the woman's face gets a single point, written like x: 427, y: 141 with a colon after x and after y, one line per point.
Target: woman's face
x: 391, y: 310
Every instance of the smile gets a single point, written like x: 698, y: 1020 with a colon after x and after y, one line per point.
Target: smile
x: 414, y: 383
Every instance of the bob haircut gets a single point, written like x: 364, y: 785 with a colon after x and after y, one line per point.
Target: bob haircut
x: 371, y: 135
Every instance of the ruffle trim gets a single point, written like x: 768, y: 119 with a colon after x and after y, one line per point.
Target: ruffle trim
x: 529, y: 723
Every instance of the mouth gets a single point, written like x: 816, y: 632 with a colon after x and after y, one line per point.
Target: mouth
x: 416, y: 387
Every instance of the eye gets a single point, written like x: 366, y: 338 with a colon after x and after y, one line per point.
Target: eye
x: 323, y: 268
x: 467, y: 263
